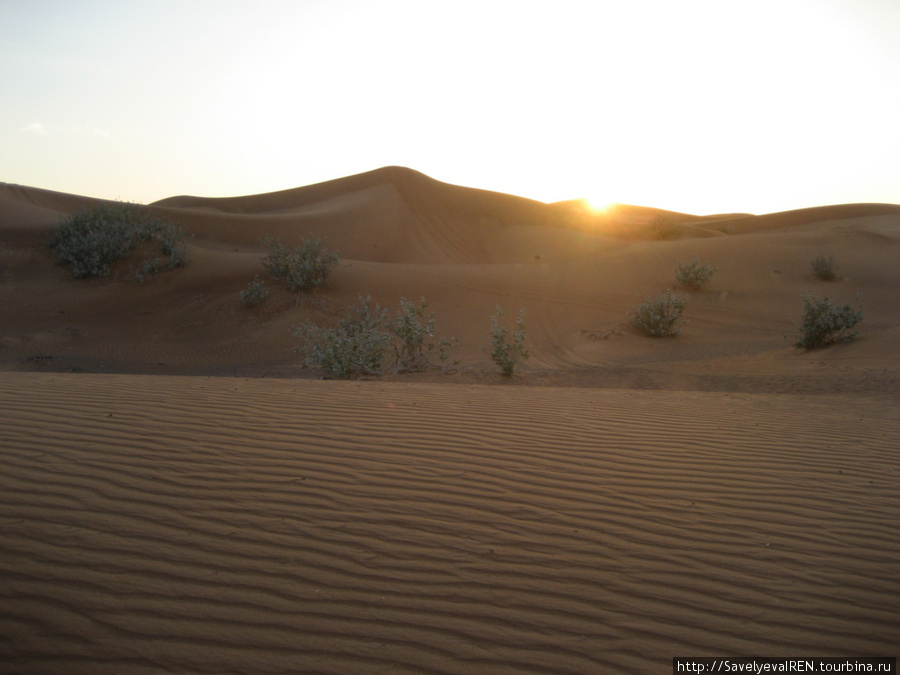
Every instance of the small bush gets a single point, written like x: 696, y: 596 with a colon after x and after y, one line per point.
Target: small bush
x: 356, y: 347
x: 824, y: 267
x: 694, y: 275
x: 255, y: 294
x: 172, y: 239
x: 666, y: 226
x: 824, y: 323
x: 90, y: 240
x: 658, y: 315
x: 303, y: 268
x: 412, y: 331
x: 507, y: 353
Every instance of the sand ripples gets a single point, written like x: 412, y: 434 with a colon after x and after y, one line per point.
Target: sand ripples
x: 152, y: 524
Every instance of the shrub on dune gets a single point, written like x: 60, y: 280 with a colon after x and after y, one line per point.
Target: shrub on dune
x: 694, y: 275
x: 413, y: 333
x: 90, y: 240
x: 666, y: 226
x: 302, y: 268
x: 506, y: 352
x: 255, y: 294
x: 357, y: 346
x: 824, y: 267
x: 825, y: 323
x: 658, y: 315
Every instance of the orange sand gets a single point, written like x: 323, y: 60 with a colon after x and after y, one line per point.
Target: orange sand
x: 180, y: 495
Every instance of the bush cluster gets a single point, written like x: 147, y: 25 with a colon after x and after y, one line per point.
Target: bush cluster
x: 825, y: 323
x: 358, y: 344
x: 413, y: 334
x: 90, y: 240
x: 658, y: 315
x: 302, y: 268
x: 693, y: 274
x: 355, y: 347
x: 666, y: 226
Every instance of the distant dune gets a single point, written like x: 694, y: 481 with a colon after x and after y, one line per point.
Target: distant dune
x: 182, y: 495
x: 399, y: 233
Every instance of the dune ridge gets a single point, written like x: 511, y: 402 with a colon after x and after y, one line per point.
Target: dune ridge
x: 403, y: 234
x: 221, y: 525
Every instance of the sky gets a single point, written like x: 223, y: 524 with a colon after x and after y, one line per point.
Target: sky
x: 700, y: 106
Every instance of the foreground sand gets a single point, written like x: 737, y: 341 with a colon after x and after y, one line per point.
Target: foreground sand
x: 220, y: 525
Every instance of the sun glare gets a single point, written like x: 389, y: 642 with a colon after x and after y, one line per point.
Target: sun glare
x: 598, y: 206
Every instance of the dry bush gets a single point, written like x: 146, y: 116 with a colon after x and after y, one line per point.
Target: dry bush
x: 90, y: 240
x: 302, y: 268
x: 694, y: 275
x: 658, y: 315
x: 825, y: 323
x: 506, y: 352
x: 824, y: 267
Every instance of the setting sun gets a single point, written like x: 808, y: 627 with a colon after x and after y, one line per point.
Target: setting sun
x: 598, y: 206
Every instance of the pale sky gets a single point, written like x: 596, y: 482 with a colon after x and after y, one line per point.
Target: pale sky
x: 701, y: 106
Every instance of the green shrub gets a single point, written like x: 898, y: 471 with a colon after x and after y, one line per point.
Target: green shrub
x: 356, y: 347
x: 302, y: 268
x: 506, y: 353
x: 824, y: 323
x: 694, y: 275
x: 255, y: 294
x: 658, y: 315
x: 90, y: 240
x: 824, y: 267
x: 413, y: 332
x: 358, y: 344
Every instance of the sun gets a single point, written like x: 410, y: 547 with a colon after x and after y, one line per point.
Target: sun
x: 598, y: 206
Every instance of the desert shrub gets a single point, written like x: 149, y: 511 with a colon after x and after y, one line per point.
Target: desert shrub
x: 824, y: 267
x: 666, y: 226
x: 507, y: 353
x: 302, y: 268
x: 694, y: 275
x: 658, y: 315
x: 172, y: 239
x: 355, y: 347
x: 413, y: 332
x: 824, y: 323
x: 90, y: 240
x: 358, y: 344
x: 255, y: 294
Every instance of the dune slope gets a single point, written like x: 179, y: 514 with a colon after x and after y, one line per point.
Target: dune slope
x: 401, y: 234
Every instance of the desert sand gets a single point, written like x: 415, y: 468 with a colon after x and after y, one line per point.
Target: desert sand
x: 179, y: 494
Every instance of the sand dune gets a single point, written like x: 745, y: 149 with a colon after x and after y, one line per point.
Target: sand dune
x: 181, y: 495
x: 402, y: 234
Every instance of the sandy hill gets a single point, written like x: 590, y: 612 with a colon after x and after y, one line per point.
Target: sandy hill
x: 166, y: 506
x: 577, y: 274
x: 392, y: 214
